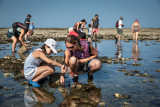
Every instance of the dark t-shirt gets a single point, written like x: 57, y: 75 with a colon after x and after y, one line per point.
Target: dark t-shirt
x: 26, y: 24
x: 95, y: 23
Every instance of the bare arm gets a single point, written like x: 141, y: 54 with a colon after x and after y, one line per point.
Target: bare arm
x: 94, y: 54
x: 66, y: 57
x: 40, y: 54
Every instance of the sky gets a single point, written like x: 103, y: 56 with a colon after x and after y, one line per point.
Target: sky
x: 65, y: 13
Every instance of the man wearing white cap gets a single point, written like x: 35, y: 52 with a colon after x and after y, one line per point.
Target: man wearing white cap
x: 37, y: 66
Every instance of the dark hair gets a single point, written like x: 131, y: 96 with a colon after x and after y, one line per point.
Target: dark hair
x: 83, y: 20
x: 82, y: 35
x: 89, y: 25
x: 43, y: 47
x: 121, y: 18
x: 71, y: 39
x: 96, y: 14
x: 29, y: 15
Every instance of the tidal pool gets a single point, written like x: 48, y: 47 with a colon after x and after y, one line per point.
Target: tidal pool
x: 136, y: 75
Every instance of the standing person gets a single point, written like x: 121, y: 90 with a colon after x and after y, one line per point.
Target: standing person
x: 27, y: 23
x: 95, y: 27
x: 89, y: 33
x: 136, y: 28
x: 16, y: 33
x: 35, y: 69
x: 81, y: 55
x: 119, y: 30
x: 78, y: 25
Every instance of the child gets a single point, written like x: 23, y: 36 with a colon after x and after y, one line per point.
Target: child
x: 34, y: 67
x: 89, y: 33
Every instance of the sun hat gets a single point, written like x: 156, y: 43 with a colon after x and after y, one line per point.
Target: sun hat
x: 52, y: 44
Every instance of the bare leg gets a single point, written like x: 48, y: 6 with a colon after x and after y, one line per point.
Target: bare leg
x: 134, y: 36
x: 25, y: 37
x: 73, y: 65
x: 42, y: 72
x: 95, y: 65
x: 14, y: 39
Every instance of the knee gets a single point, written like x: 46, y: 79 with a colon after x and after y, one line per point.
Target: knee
x: 15, y: 41
x: 97, y: 65
x: 73, y: 61
x: 51, y: 70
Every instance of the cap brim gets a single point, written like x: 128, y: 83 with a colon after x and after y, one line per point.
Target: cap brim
x: 54, y: 50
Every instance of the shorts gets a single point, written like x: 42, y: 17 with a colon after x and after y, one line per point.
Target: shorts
x: 85, y: 66
x: 120, y: 31
x: 10, y: 34
x: 29, y: 75
x: 94, y: 30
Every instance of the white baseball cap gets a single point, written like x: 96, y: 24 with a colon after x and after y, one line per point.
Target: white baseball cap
x: 70, y: 29
x: 52, y: 44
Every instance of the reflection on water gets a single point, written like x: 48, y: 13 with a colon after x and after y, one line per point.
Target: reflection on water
x: 135, y: 51
x: 119, y: 51
x: 36, y: 96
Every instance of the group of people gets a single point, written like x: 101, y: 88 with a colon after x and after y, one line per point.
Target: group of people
x: 79, y: 55
x: 135, y: 29
x: 18, y: 31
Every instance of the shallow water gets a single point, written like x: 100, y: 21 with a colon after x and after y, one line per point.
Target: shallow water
x: 144, y: 91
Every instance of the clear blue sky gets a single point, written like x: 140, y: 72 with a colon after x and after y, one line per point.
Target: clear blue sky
x: 65, y: 13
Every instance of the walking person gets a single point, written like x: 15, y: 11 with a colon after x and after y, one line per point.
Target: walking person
x: 27, y: 23
x: 119, y: 29
x: 95, y: 27
x: 135, y: 29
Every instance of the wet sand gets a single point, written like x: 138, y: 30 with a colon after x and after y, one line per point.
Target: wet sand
x: 41, y: 34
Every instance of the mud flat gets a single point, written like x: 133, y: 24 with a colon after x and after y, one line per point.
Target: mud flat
x: 41, y: 34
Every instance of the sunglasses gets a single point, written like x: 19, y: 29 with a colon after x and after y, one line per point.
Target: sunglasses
x: 71, y: 47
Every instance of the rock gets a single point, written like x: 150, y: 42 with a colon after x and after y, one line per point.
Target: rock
x: 7, y: 74
x: 131, y: 74
x: 22, y: 50
x: 59, y: 50
x: 158, y: 70
x: 136, y: 64
x: 0, y: 93
x: 120, y: 96
x: 102, y: 103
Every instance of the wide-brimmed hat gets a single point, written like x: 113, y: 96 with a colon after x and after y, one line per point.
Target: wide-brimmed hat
x: 52, y: 44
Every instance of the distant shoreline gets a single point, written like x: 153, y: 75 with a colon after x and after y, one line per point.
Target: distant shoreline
x: 59, y: 34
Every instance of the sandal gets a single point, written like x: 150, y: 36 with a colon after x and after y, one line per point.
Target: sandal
x: 35, y: 84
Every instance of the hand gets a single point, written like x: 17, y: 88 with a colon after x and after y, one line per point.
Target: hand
x: 63, y: 69
x: 25, y: 44
x: 62, y: 79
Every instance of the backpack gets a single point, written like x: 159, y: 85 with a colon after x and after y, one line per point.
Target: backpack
x: 117, y: 24
x: 16, y: 25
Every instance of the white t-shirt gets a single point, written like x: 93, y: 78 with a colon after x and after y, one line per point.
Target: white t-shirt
x: 89, y: 31
x: 120, y: 24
